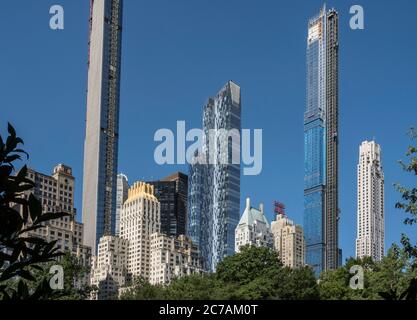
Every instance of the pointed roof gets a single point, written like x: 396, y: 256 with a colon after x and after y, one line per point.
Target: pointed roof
x: 250, y: 215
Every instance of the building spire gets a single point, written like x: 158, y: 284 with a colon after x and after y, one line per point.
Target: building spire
x: 248, y: 203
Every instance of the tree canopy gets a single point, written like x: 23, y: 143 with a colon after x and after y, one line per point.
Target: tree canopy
x: 254, y: 273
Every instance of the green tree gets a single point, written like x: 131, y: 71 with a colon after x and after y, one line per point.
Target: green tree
x: 335, y: 284
x: 248, y: 265
x: 392, y: 275
x: 409, y: 205
x: 409, y: 195
x: 253, y: 274
x: 200, y: 287
x: 300, y: 284
x: 257, y: 273
x: 385, y: 279
x: 76, y: 285
x: 20, y: 254
x: 143, y: 290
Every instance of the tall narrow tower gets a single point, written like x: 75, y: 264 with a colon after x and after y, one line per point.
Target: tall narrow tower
x: 370, y: 233
x: 102, y: 125
x: 321, y: 208
x: 214, y: 186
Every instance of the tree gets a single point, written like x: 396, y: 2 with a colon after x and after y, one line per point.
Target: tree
x: 20, y: 254
x: 409, y: 195
x: 335, y: 284
x: 392, y: 275
x: 76, y: 285
x: 143, y: 290
x: 409, y: 205
x: 200, y: 287
x: 248, y: 265
x: 259, y: 274
x: 300, y: 284
x: 253, y: 274
x: 385, y: 279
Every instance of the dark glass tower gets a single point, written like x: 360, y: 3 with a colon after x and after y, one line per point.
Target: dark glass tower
x: 321, y: 208
x: 172, y: 193
x: 214, y: 190
x: 102, y: 125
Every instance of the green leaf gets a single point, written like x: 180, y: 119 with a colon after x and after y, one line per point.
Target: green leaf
x: 26, y: 275
x: 50, y: 216
x: 35, y: 208
x: 22, y: 173
x: 36, y: 267
x: 1, y: 144
x: 12, y: 158
x: 5, y: 171
x: 11, y: 130
x: 34, y: 240
x: 21, y: 150
x: 22, y: 290
x: 31, y: 228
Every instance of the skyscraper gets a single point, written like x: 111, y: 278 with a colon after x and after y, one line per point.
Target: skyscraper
x: 214, y: 189
x: 370, y: 233
x: 172, y: 193
x: 121, y: 197
x: 140, y: 218
x: 102, y: 125
x: 321, y: 208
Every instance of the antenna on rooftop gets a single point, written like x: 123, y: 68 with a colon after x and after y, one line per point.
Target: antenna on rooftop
x: 279, y: 208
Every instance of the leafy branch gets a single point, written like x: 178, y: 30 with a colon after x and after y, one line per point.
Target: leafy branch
x: 20, y: 215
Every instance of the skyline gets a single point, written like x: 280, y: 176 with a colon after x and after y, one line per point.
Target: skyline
x: 258, y: 113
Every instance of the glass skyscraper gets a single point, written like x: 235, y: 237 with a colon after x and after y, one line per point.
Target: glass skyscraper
x: 214, y: 184
x: 321, y: 211
x: 172, y: 194
x: 102, y: 124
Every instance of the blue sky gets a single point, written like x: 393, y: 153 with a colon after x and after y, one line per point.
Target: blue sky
x: 177, y: 53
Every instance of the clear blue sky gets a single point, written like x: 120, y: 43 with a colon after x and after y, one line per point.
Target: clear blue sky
x: 177, y: 53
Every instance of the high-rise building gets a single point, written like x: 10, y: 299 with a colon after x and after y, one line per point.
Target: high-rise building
x: 253, y: 228
x: 108, y: 270
x: 56, y: 194
x: 214, y: 189
x: 321, y: 136
x: 121, y: 197
x: 289, y: 241
x: 173, y: 257
x: 102, y: 124
x: 370, y: 234
x: 172, y: 193
x: 140, y: 218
